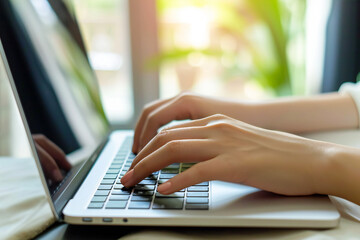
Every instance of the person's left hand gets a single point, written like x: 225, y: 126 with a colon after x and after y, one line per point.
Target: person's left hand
x: 230, y: 150
x: 52, y: 158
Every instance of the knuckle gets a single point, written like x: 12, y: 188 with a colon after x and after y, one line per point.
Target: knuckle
x: 149, y: 106
x: 151, y: 119
x: 185, y: 94
x: 221, y: 126
x: 146, y: 111
x: 172, y: 146
x: 219, y: 116
x: 161, y: 138
x: 184, y: 97
x: 40, y: 138
x: 224, y: 125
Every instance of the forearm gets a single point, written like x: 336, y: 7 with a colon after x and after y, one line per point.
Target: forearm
x: 318, y: 113
x: 295, y: 115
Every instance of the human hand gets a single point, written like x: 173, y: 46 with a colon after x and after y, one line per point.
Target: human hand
x: 181, y: 107
x: 230, y: 150
x: 52, y: 158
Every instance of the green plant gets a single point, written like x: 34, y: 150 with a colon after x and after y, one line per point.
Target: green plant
x: 271, y: 66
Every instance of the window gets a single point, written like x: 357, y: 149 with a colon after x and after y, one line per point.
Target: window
x: 239, y: 49
x: 242, y: 49
x: 104, y: 25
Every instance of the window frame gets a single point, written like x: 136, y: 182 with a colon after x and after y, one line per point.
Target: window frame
x: 143, y: 41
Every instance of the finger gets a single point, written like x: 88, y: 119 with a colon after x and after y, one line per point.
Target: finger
x: 198, y: 122
x: 172, y: 110
x: 55, y: 152
x: 166, y: 136
x: 143, y: 116
x: 49, y: 165
x: 172, y: 152
x: 200, y: 172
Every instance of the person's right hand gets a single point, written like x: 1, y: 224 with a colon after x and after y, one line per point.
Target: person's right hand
x: 229, y: 150
x: 181, y: 107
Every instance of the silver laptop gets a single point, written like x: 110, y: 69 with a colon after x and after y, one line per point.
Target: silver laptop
x: 67, y: 111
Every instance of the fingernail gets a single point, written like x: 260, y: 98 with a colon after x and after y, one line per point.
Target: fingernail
x: 57, y: 175
x: 164, y: 188
x: 127, y: 176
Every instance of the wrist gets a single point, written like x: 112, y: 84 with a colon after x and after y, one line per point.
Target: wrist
x: 338, y: 174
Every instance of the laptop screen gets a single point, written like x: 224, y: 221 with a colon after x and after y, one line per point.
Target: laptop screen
x: 60, y: 99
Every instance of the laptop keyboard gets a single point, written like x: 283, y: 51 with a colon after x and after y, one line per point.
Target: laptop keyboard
x: 111, y: 194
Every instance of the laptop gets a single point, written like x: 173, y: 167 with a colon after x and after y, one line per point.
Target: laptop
x: 67, y: 112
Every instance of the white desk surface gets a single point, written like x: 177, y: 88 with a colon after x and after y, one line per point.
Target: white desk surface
x: 24, y: 212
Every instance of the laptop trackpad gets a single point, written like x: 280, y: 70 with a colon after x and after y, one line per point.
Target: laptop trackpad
x: 236, y: 199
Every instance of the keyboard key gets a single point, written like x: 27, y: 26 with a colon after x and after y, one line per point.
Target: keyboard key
x: 98, y: 199
x: 198, y: 189
x: 110, y: 176
x: 107, y: 181
x: 119, y: 158
x: 120, y: 192
x: 188, y: 164
x: 143, y: 193
x: 168, y: 203
x: 119, y: 197
x: 126, y: 169
x: 102, y: 193
x: 115, y: 166
x: 173, y: 195
x: 96, y: 205
x: 167, y: 176
x: 202, y: 184
x: 174, y: 165
x: 118, y: 161
x: 197, y: 207
x: 104, y: 187
x: 145, y: 187
x: 113, y: 171
x: 139, y: 205
x: 148, y: 182
x: 151, y: 177
x: 118, y: 186
x: 141, y: 198
x: 161, y: 181
x: 197, y: 194
x: 197, y: 200
x: 116, y: 205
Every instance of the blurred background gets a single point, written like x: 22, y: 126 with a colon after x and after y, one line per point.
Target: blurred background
x: 239, y: 49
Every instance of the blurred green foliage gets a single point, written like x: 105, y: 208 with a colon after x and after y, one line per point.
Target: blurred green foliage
x: 280, y: 21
